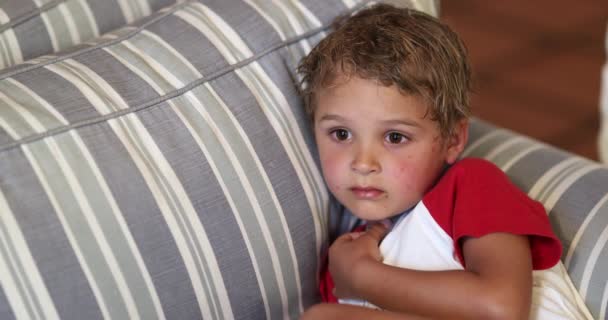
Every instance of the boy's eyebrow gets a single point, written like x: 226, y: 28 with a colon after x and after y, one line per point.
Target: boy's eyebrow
x: 327, y: 117
x: 335, y: 117
x: 401, y: 122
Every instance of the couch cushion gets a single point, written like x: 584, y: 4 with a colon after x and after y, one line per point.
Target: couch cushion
x: 31, y: 28
x: 166, y: 171
x: 574, y: 193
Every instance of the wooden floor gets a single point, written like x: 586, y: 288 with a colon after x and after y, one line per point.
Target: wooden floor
x: 537, y: 65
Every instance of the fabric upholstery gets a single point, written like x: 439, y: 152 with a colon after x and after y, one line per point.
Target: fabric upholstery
x: 574, y: 192
x: 165, y: 169
x: 31, y: 28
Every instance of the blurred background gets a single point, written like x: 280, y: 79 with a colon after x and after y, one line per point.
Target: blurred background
x: 537, y: 66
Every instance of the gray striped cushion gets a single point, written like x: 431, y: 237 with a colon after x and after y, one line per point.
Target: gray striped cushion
x: 31, y: 28
x: 573, y: 190
x: 165, y: 172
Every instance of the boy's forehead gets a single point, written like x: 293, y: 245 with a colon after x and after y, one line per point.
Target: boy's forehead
x: 363, y: 95
x: 340, y: 81
x: 335, y: 78
x: 347, y: 86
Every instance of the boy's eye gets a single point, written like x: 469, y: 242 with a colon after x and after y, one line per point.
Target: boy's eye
x: 340, y: 134
x: 395, y: 138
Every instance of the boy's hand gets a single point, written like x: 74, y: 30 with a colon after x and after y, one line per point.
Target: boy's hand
x: 348, y: 255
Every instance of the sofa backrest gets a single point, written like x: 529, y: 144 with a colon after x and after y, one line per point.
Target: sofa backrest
x: 165, y: 170
x: 32, y: 28
x: 574, y: 192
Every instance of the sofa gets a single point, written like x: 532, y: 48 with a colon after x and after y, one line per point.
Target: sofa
x: 162, y: 166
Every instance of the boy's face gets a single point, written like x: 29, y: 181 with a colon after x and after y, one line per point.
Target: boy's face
x: 379, y: 153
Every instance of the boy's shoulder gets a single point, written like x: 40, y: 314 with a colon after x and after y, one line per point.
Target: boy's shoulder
x: 473, y: 165
x: 474, y: 198
x: 478, y: 179
x: 472, y: 172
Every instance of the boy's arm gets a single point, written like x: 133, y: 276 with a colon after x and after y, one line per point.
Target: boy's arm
x: 496, y: 283
x: 350, y: 312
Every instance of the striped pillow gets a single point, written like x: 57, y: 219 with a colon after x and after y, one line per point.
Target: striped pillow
x: 31, y: 28
x: 166, y: 171
x: 574, y: 192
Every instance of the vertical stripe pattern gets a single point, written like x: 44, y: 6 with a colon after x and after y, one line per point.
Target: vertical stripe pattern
x: 574, y: 192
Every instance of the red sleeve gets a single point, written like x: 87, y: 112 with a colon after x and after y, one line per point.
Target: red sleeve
x: 474, y: 198
x: 326, y: 282
x: 326, y: 286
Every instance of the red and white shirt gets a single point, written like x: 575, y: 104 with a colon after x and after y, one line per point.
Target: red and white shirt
x: 473, y: 198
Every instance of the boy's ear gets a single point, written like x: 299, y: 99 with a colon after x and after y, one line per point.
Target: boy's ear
x: 458, y: 140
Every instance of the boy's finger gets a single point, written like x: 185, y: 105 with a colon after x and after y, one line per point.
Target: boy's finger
x: 377, y: 231
x: 348, y: 237
x: 355, y: 235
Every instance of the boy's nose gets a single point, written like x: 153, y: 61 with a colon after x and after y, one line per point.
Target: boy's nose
x: 365, y: 162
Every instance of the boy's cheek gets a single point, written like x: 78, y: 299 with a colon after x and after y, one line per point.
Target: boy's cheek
x: 332, y: 171
x: 399, y: 170
x: 404, y: 176
x: 330, y: 159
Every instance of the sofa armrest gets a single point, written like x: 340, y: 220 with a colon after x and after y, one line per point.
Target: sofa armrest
x: 574, y: 191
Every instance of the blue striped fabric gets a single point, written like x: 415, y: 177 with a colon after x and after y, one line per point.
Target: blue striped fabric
x: 574, y: 192
x: 31, y: 28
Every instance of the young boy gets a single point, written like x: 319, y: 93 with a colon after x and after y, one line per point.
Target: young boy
x: 387, y: 92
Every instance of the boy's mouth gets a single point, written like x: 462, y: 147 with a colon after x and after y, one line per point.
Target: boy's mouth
x: 366, y: 193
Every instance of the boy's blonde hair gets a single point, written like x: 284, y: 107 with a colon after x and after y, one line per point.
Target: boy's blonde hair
x: 394, y: 46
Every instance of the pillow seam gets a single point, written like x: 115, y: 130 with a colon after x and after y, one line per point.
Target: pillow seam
x: 168, y: 96
x: 24, y: 17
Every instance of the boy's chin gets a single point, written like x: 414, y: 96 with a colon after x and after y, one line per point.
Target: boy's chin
x: 374, y: 211
x: 372, y: 214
